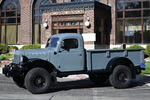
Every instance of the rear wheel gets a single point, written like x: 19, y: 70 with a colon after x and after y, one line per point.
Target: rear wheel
x: 37, y: 80
x: 98, y: 78
x: 121, y: 77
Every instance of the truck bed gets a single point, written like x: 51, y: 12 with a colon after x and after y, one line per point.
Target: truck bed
x: 100, y: 58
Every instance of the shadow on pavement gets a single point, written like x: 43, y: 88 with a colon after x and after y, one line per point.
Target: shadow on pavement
x: 140, y: 81
x: 78, y: 84
x: 86, y: 83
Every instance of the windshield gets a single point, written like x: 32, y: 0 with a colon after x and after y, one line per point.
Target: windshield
x: 52, y: 42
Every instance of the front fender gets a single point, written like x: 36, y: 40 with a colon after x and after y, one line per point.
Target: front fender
x: 32, y: 63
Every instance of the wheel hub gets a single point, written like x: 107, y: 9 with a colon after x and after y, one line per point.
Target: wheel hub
x: 122, y: 77
x: 39, y: 81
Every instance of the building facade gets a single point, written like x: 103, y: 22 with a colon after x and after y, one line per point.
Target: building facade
x: 21, y: 21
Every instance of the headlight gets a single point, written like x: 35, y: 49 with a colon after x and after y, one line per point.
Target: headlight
x: 20, y: 66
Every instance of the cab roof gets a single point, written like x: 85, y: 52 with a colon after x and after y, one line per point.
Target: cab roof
x: 67, y: 35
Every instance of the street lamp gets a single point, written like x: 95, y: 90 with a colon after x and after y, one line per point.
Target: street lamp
x: 45, y: 23
x: 87, y: 23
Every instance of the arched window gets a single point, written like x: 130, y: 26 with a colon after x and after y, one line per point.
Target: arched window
x: 37, y: 19
x: 10, y: 22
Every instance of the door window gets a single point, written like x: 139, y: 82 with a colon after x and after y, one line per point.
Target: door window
x: 70, y: 44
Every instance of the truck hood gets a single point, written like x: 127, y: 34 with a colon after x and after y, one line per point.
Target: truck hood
x: 32, y: 53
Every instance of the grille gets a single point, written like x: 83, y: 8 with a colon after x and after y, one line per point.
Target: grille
x: 16, y: 59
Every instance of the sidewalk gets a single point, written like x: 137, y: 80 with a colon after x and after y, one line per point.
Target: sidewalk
x: 147, y: 59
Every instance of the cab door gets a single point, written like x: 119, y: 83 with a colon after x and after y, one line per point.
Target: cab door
x: 71, y: 56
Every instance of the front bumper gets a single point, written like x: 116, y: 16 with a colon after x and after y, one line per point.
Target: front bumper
x: 10, y: 70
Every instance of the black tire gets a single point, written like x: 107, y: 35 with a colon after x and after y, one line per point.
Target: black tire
x: 38, y: 80
x: 121, y: 77
x: 19, y: 81
x: 98, y: 78
x: 110, y: 80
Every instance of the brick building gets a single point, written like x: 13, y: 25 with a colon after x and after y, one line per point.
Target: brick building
x: 21, y: 20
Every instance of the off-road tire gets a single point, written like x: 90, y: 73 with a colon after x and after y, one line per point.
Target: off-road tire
x: 38, y: 81
x: 98, y: 78
x: 121, y: 77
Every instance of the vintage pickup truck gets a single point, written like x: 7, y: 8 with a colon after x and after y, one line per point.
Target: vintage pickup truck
x: 65, y: 55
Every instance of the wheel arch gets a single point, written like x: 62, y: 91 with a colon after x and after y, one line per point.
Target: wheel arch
x: 121, y: 61
x: 33, y: 63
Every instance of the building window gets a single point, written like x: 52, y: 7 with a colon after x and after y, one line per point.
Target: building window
x: 146, y: 30
x: 10, y: 22
x: 133, y: 31
x: 133, y: 17
x: 120, y: 31
x: 67, y: 27
x: 37, y: 19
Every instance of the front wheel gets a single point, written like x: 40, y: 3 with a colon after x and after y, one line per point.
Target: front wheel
x: 121, y: 77
x: 37, y: 80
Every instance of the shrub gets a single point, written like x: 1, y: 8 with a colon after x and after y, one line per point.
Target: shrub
x: 32, y: 46
x: 4, y: 58
x: 135, y: 46
x: 147, y: 50
x: 9, y: 54
x: 115, y: 47
x: 13, y: 47
x: 4, y: 49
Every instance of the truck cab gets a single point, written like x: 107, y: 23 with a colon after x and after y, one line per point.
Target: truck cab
x: 69, y: 51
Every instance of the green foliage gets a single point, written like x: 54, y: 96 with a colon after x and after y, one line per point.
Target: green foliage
x: 13, y: 47
x: 147, y: 50
x: 147, y: 70
x: 9, y: 54
x: 115, y: 48
x: 4, y: 58
x: 135, y: 46
x: 4, y: 49
x: 32, y: 46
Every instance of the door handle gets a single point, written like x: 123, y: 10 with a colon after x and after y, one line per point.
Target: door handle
x: 80, y: 54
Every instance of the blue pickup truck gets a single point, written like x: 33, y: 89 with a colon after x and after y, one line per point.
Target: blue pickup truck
x: 65, y: 55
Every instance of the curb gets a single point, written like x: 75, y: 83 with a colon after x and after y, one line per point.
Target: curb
x: 0, y: 70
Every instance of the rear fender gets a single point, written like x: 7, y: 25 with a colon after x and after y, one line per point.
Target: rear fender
x: 121, y: 61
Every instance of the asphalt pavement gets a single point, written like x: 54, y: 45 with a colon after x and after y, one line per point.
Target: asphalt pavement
x: 78, y: 89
